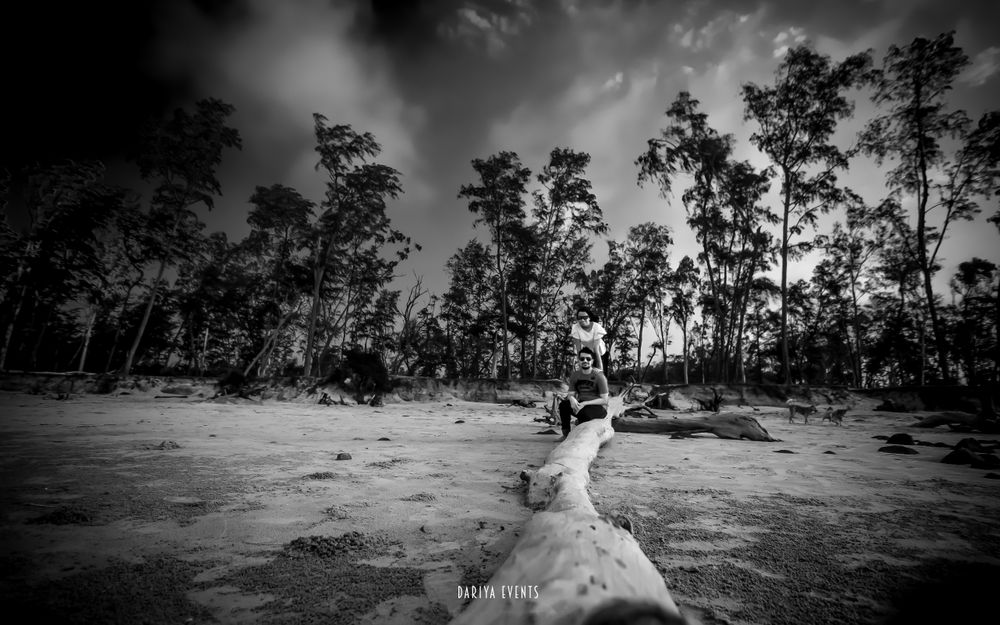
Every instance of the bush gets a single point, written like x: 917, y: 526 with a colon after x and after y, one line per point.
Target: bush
x: 362, y: 371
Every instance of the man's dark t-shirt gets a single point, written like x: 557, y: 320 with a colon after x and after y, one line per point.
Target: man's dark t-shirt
x: 588, y: 385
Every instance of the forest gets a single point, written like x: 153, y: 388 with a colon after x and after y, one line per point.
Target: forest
x: 105, y: 279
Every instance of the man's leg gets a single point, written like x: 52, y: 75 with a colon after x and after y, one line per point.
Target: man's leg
x: 565, y: 415
x: 588, y: 413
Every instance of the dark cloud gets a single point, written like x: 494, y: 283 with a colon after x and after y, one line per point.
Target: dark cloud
x: 439, y: 83
x: 78, y: 80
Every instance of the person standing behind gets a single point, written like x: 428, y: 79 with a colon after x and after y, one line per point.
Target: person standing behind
x: 588, y: 394
x: 588, y: 333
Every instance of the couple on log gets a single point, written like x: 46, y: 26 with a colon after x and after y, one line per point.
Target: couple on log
x: 588, y: 387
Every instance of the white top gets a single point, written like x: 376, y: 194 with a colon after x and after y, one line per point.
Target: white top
x: 592, y: 337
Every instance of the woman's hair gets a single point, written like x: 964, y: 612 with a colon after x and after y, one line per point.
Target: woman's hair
x: 584, y: 309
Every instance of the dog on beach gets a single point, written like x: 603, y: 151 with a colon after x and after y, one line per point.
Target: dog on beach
x: 835, y: 415
x: 800, y: 408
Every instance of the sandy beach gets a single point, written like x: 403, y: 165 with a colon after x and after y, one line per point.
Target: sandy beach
x: 129, y: 509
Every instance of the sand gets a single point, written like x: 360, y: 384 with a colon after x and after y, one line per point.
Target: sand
x: 132, y: 509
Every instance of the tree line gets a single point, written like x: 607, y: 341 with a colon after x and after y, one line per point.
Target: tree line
x: 100, y: 278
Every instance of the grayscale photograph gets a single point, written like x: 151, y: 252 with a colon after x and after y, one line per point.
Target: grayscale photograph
x: 500, y: 312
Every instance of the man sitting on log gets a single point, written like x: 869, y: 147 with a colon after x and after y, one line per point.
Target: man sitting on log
x: 588, y: 393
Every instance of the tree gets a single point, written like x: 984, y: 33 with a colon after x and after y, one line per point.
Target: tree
x: 180, y: 156
x: 617, y: 287
x: 995, y: 219
x: 469, y: 312
x: 409, y: 337
x: 797, y: 118
x: 279, y: 232
x: 566, y: 217
x: 896, y: 336
x: 119, y: 258
x: 916, y: 133
x: 58, y: 258
x: 683, y: 288
x: 974, y: 283
x: 498, y: 199
x: 648, y: 253
x: 212, y: 293
x: 851, y: 247
x: 691, y: 147
x: 348, y: 237
x: 742, y: 249
x: 723, y: 210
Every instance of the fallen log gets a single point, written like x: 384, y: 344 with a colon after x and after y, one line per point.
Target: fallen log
x: 964, y: 420
x: 727, y: 426
x: 572, y: 564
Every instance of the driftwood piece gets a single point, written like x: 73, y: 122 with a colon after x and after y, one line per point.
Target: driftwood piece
x: 727, y: 426
x: 562, y: 481
x: 570, y: 562
x: 964, y: 420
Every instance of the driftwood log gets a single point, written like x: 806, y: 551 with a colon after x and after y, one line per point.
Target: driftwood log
x: 728, y: 426
x: 963, y: 420
x: 572, y: 565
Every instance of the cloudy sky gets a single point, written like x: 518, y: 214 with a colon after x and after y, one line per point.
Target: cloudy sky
x: 445, y: 81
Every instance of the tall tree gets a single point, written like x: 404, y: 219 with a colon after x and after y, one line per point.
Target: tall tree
x: 899, y: 324
x: 683, y: 288
x: 566, y: 218
x: 797, y: 117
x: 974, y: 284
x: 724, y: 211
x: 56, y: 258
x: 179, y: 156
x: 647, y: 251
x: 119, y: 261
x: 916, y: 133
x: 468, y: 308
x: 212, y: 293
x: 498, y: 199
x: 688, y: 145
x: 352, y: 229
x: 995, y: 220
x: 851, y: 247
x: 279, y: 231
x: 616, y: 291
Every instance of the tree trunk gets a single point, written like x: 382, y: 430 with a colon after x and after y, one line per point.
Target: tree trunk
x: 534, y: 348
x: 727, y: 426
x: 923, y: 352
x: 91, y: 319
x: 684, y: 346
x: 118, y: 328
x: 570, y: 560
x: 638, y: 348
x: 9, y: 331
x: 202, y: 359
x: 664, y: 328
x: 127, y: 367
x: 858, y: 360
x: 996, y: 339
x: 925, y: 264
x: 741, y: 371
x: 270, y: 340
x: 786, y: 368
x: 523, y: 359
x: 38, y: 341
x: 319, y: 273
x: 493, y: 358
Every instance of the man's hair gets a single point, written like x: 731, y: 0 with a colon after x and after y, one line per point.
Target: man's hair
x: 586, y: 350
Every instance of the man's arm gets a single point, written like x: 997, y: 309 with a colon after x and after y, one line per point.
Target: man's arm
x: 600, y: 401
